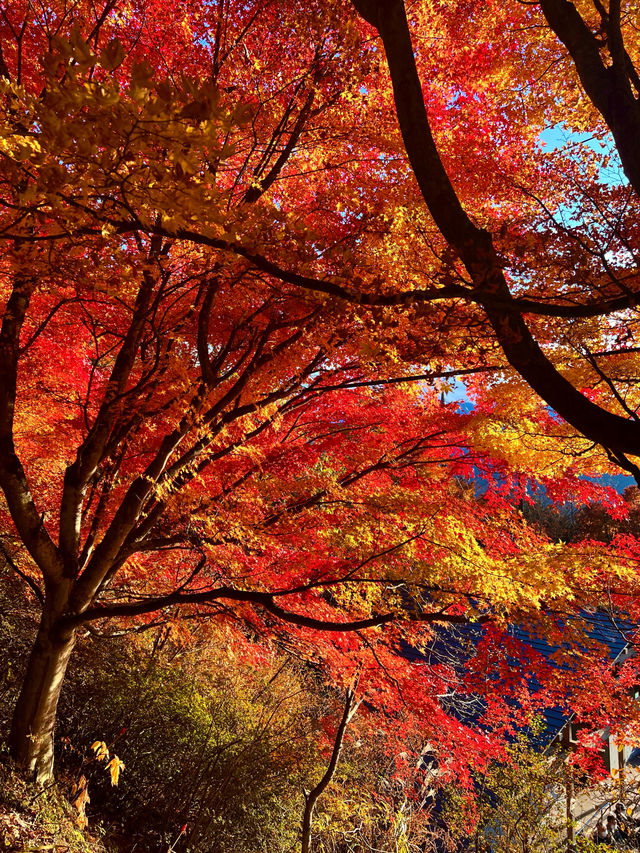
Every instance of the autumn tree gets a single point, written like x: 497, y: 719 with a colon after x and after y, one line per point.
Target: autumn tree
x: 227, y: 299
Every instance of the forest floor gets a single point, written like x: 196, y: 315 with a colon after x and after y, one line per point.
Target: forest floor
x: 40, y: 819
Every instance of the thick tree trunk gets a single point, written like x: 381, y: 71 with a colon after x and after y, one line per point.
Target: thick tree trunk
x: 31, y: 738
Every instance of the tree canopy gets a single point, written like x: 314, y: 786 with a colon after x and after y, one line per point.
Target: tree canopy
x: 247, y: 249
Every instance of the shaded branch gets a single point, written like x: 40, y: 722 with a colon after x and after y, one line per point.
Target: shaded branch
x: 266, y: 601
x: 13, y: 479
x: 25, y: 577
x: 608, y: 87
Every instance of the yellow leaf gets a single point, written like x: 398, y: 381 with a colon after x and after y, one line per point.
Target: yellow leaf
x: 101, y: 750
x: 114, y: 767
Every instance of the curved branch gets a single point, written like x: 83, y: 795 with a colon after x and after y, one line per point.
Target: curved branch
x: 475, y: 246
x: 13, y: 479
x: 266, y: 601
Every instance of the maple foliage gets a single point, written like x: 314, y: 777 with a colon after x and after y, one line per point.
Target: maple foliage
x: 231, y: 313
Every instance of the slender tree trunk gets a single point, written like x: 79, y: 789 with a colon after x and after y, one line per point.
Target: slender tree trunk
x: 31, y: 738
x: 311, y: 797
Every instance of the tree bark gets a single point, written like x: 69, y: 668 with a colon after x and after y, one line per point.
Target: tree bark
x: 32, y: 727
